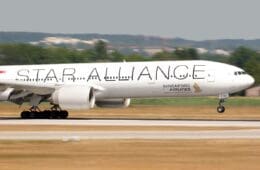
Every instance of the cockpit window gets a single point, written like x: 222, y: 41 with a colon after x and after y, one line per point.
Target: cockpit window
x: 238, y: 73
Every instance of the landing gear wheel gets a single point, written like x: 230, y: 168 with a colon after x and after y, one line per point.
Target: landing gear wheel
x: 221, y: 109
x: 33, y: 115
x: 54, y: 114
x: 25, y: 115
x: 46, y: 114
x: 64, y: 114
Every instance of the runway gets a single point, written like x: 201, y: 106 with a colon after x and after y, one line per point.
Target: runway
x: 252, y: 133
x: 151, y: 135
x: 133, y: 122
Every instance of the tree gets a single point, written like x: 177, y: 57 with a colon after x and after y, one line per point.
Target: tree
x: 240, y: 56
x: 22, y: 54
x: 135, y: 57
x: 248, y: 60
x: 164, y: 55
x: 187, y: 54
x: 101, y: 50
x: 253, y: 68
x: 116, y: 56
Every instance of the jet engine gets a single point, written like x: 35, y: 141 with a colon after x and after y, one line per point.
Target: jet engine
x: 4, y: 95
x: 74, y: 97
x: 113, y: 103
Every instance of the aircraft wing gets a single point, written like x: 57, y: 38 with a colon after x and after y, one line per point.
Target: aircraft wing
x: 36, y: 88
x: 22, y: 90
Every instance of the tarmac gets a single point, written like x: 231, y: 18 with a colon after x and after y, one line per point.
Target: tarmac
x: 132, y: 122
x: 151, y: 135
x: 252, y: 133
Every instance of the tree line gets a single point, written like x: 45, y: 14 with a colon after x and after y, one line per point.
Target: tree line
x: 18, y: 54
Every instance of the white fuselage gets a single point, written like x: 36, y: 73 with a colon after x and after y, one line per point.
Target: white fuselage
x: 136, y: 79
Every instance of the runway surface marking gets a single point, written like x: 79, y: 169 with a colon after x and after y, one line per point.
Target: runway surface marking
x: 76, y: 135
x: 113, y: 134
x: 114, y: 122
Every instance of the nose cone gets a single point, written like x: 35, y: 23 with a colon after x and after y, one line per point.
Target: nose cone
x: 243, y: 82
x: 250, y: 81
x: 247, y: 81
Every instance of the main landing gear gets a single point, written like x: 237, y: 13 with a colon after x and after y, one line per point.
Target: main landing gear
x: 221, y: 108
x: 54, y: 113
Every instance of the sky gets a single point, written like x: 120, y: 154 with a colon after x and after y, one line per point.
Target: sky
x: 189, y: 19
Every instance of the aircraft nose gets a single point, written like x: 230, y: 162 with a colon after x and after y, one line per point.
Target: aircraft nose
x: 250, y: 81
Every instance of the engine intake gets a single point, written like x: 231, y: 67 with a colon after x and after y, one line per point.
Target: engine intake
x: 4, y: 95
x: 74, y: 97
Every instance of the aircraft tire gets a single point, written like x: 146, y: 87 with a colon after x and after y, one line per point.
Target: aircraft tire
x: 221, y: 109
x: 58, y: 114
x: 46, y: 114
x: 54, y: 114
x: 64, y: 114
x: 33, y: 115
x: 25, y: 115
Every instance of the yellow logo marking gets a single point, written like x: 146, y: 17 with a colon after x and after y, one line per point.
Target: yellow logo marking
x: 197, y: 88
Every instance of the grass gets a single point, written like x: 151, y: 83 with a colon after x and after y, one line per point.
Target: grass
x: 180, y: 101
x: 198, y: 101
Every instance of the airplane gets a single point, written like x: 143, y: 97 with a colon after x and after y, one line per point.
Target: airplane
x: 86, y: 85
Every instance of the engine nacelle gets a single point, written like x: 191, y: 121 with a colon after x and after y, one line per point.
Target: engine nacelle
x: 113, y: 103
x: 4, y: 95
x: 74, y: 97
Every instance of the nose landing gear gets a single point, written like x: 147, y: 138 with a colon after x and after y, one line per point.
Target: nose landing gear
x: 221, y: 108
